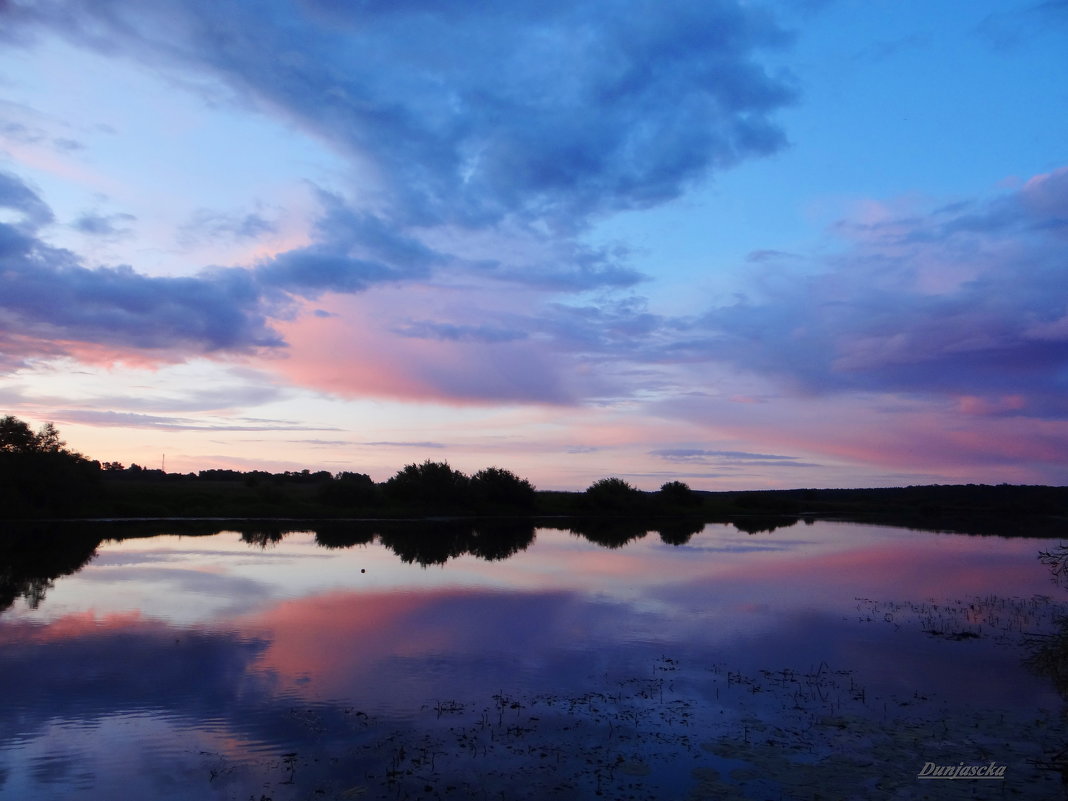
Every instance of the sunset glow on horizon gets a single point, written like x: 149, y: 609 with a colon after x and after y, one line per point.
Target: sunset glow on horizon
x: 741, y: 245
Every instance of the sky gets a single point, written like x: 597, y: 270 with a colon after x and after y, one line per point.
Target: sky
x: 744, y: 245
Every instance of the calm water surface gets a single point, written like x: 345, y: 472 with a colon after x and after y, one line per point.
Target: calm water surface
x: 813, y: 661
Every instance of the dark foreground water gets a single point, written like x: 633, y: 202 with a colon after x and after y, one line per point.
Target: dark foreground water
x: 814, y: 661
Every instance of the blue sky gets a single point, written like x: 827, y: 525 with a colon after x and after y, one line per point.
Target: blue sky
x: 736, y: 244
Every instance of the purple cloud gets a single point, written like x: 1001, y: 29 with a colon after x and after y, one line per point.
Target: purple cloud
x: 48, y: 295
x: 964, y: 301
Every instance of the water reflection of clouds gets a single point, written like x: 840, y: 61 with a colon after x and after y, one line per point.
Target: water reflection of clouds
x: 563, y: 617
x: 83, y: 668
x: 109, y: 558
x: 749, y: 546
x: 209, y: 590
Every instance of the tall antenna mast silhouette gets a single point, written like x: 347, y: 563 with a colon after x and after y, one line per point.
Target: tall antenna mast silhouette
x: 164, y: 465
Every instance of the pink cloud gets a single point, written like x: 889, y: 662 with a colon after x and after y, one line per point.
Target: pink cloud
x: 357, y: 352
x: 881, y: 432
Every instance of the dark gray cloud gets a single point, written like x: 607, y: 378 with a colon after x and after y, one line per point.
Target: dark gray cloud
x: 457, y: 332
x: 15, y: 195
x: 19, y: 132
x: 104, y: 225
x: 571, y: 267
x: 612, y: 327
x: 352, y: 251
x: 50, y: 296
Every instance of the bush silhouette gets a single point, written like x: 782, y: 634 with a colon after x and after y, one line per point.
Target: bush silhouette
x: 348, y: 490
x: 432, y: 484
x: 613, y: 494
x: 678, y: 493
x: 495, y: 486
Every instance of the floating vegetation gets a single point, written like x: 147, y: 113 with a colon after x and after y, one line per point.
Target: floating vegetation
x: 1005, y: 619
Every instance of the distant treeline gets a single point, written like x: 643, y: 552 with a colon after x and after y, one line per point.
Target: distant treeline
x: 41, y: 478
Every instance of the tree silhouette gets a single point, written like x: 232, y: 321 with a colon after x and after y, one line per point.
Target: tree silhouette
x: 613, y: 495
x: 678, y: 493
x: 430, y: 484
x: 38, y: 474
x: 348, y: 490
x: 495, y: 486
x: 16, y: 436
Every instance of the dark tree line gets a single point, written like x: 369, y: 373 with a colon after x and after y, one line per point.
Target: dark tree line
x: 40, y: 477
x: 38, y: 473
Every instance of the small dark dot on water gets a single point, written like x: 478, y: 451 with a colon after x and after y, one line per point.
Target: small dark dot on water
x: 363, y: 569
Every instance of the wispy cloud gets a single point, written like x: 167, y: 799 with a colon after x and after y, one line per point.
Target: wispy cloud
x: 104, y: 225
x: 207, y: 225
x: 386, y: 444
x: 135, y: 420
x: 698, y: 456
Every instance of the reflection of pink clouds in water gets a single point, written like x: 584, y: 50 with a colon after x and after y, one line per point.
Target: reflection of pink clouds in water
x: 337, y: 636
x: 920, y: 571
x: 79, y: 624
x: 383, y: 645
x: 823, y: 561
x: 728, y: 591
x: 913, y: 566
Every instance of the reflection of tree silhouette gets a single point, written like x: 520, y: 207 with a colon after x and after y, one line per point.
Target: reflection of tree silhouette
x: 429, y: 543
x: 609, y: 532
x: 761, y: 524
x: 500, y: 539
x: 264, y: 537
x: 435, y: 543
x: 679, y: 532
x: 33, y: 556
x: 344, y: 535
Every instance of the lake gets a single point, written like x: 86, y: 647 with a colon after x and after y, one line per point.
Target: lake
x: 492, y: 660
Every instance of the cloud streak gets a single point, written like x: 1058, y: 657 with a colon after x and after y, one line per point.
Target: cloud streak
x: 742, y: 458
x: 136, y: 420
